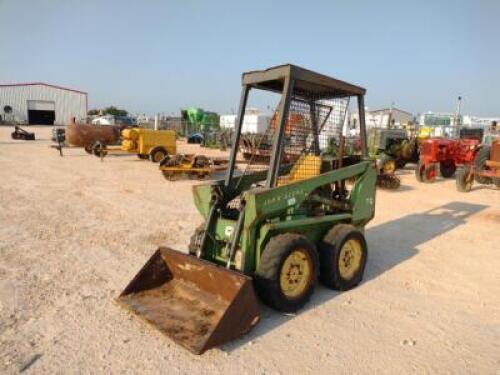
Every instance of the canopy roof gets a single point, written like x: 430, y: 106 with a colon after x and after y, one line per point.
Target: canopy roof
x: 307, y: 84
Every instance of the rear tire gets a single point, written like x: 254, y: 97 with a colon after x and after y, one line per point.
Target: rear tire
x: 482, y: 155
x: 447, y: 168
x: 157, y: 154
x: 343, y: 255
x: 464, y: 179
x: 400, y: 163
x: 88, y: 149
x: 288, y: 272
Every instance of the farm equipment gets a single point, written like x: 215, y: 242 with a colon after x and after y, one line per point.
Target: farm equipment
x: 154, y: 145
x: 270, y: 233
x: 85, y: 135
x: 20, y: 133
x: 198, y: 166
x: 483, y: 167
x: 392, y: 148
x: 448, y: 154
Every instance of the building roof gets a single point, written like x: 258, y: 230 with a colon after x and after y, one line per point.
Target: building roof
x: 42, y: 84
x: 388, y: 109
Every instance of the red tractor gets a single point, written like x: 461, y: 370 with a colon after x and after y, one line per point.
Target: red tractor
x: 484, y: 167
x: 448, y: 154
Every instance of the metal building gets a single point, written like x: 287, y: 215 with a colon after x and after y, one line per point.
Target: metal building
x: 41, y: 103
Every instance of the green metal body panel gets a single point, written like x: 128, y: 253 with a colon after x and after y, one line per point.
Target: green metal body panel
x: 271, y: 211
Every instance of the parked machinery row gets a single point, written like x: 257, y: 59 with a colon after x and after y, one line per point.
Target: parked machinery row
x: 465, y: 158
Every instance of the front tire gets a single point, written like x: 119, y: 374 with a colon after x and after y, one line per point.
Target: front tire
x: 429, y: 173
x: 195, y: 240
x: 343, y: 255
x: 464, y: 179
x: 288, y: 272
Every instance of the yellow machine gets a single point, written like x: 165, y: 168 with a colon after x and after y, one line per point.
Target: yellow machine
x: 146, y: 143
x: 192, y: 165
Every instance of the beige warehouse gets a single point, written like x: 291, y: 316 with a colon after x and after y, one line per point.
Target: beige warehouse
x: 41, y: 103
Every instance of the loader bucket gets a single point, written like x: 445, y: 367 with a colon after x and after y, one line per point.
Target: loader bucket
x: 197, y: 304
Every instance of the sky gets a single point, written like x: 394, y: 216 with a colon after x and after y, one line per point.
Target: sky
x: 160, y: 56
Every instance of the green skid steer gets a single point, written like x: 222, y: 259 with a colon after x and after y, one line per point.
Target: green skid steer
x: 269, y: 231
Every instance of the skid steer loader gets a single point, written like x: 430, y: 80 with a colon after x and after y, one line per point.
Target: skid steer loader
x: 268, y: 232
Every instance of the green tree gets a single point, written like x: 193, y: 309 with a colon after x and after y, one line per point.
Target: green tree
x: 112, y: 110
x: 93, y: 112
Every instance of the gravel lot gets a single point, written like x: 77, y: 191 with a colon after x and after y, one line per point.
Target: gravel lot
x: 74, y: 231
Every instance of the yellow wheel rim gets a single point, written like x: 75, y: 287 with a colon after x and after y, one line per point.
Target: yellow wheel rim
x: 350, y: 258
x: 158, y: 156
x: 296, y: 273
x: 389, y: 166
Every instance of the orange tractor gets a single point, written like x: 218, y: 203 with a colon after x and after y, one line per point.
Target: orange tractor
x: 444, y: 155
x: 484, y: 167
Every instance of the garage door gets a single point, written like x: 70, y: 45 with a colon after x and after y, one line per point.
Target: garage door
x: 41, y: 112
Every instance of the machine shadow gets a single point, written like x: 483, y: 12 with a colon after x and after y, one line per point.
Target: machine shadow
x: 390, y: 244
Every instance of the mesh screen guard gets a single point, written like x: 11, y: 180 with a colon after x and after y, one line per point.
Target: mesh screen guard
x: 313, y: 128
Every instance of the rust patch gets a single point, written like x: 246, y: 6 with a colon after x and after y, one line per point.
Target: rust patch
x: 196, y: 303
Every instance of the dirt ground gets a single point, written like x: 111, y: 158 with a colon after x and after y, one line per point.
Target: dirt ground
x: 74, y: 231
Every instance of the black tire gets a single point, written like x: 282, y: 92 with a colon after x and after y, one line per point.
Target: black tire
x: 330, y: 251
x: 464, y: 179
x: 400, y: 163
x: 429, y: 173
x: 447, y: 168
x: 273, y: 258
x: 143, y: 157
x: 418, y: 171
x: 479, y: 163
x: 98, y: 149
x: 88, y: 149
x: 201, y: 161
x: 157, y: 154
x: 388, y: 181
x: 195, y: 240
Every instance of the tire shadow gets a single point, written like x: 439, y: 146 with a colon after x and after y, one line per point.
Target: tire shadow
x: 389, y: 244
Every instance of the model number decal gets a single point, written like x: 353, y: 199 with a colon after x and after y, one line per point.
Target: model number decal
x: 289, y: 197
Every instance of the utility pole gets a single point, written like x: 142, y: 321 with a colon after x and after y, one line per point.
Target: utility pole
x: 457, y: 115
x: 389, y: 119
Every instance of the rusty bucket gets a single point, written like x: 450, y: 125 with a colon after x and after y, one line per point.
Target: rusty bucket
x: 197, y: 304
